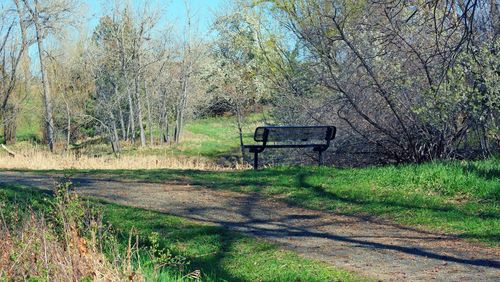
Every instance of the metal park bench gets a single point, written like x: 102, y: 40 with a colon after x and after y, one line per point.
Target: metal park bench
x: 316, y: 137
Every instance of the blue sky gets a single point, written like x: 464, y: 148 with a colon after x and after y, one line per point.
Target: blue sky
x: 202, y: 12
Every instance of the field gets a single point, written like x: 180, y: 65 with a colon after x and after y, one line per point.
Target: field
x: 459, y: 198
x: 219, y: 253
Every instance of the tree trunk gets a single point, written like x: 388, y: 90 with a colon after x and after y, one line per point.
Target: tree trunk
x: 68, y: 136
x: 179, y: 121
x: 115, y: 144
x: 128, y: 129
x: 131, y: 115
x: 166, y: 130
x: 240, y: 130
x: 9, y: 120
x: 49, y: 121
x: 115, y: 140
x: 139, y: 112
x: 150, y: 120
x: 120, y: 113
x: 122, y: 123
x: 163, y: 123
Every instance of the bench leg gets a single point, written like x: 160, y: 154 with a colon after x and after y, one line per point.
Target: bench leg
x: 320, y: 158
x: 255, y: 160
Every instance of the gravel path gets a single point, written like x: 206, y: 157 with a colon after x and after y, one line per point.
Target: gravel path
x: 372, y: 247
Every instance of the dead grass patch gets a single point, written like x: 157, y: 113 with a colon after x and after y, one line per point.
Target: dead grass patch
x: 36, y: 159
x: 65, y: 246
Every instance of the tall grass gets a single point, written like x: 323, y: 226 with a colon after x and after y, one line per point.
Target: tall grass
x: 35, y: 158
x: 66, y: 240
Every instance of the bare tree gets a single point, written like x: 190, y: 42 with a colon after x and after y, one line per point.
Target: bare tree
x: 13, y: 52
x: 132, y: 72
x: 190, y: 55
x: 47, y: 16
x: 386, y: 69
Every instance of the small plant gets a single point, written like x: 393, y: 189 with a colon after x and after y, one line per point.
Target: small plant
x: 161, y: 257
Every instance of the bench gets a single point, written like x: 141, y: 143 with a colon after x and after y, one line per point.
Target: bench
x: 316, y: 137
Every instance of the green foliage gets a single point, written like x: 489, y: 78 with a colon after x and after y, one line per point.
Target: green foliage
x: 29, y: 120
x: 161, y: 257
x: 235, y: 74
x: 470, y: 96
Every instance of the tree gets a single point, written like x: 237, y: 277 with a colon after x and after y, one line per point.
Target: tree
x: 47, y: 17
x: 14, y: 54
x: 187, y: 60
x: 235, y: 78
x: 384, y: 69
x: 72, y: 84
x: 127, y: 60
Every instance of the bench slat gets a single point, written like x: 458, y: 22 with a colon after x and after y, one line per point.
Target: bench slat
x: 277, y: 146
x: 293, y: 133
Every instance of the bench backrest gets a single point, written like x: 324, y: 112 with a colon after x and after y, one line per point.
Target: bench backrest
x: 301, y: 134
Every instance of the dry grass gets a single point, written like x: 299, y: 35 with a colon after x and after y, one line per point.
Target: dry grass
x: 34, y: 251
x: 39, y: 159
x: 56, y: 249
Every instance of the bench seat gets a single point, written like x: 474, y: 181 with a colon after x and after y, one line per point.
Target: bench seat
x: 316, y: 137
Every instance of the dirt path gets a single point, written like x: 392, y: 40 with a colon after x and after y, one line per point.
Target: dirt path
x: 364, y: 245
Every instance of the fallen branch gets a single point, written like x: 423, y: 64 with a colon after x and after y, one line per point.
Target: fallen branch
x: 12, y: 154
x: 91, y: 141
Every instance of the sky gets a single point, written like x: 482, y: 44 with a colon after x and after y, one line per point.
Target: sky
x: 202, y: 12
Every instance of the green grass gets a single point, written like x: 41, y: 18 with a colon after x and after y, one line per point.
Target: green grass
x: 210, y: 138
x: 221, y: 255
x: 30, y: 119
x: 215, y: 137
x: 461, y: 198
